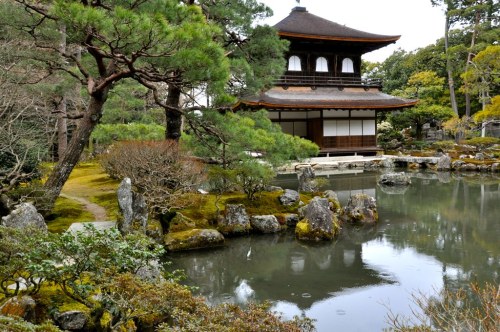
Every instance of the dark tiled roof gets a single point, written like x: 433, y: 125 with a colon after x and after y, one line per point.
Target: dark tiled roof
x: 300, y: 23
x: 326, y: 98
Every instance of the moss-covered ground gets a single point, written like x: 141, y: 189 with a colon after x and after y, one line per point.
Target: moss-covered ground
x: 90, y: 182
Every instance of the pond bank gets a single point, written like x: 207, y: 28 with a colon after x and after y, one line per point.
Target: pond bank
x: 388, y: 161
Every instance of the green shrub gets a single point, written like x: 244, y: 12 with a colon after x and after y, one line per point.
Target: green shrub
x: 14, y: 324
x: 482, y: 142
x: 443, y: 145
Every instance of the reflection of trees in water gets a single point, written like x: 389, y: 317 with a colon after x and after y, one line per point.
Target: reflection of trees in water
x: 456, y: 222
x: 452, y: 218
x: 280, y: 268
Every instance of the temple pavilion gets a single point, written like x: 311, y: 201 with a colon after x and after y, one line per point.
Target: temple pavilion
x: 322, y: 95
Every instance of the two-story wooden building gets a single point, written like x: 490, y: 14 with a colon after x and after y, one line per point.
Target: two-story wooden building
x: 322, y: 96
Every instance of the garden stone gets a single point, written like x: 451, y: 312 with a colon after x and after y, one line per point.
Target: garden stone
x: 150, y: 272
x: 495, y: 167
x: 20, y: 306
x: 289, y: 197
x: 388, y: 163
x: 319, y: 222
x: 24, y: 215
x: 133, y: 209
x: 273, y: 189
x: 395, y: 179
x: 333, y: 200
x: 234, y: 221
x: 72, y: 320
x: 444, y: 163
x: 291, y: 219
x: 467, y: 167
x: 265, y: 224
x: 360, y: 209
x: 193, y: 239
x: 307, y: 184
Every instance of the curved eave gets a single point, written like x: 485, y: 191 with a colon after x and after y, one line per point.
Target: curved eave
x: 325, y: 105
x: 388, y: 40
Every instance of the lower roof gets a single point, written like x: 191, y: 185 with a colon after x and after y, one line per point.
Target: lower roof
x: 325, y: 98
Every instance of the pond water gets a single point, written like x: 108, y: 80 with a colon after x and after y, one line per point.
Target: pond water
x: 441, y: 232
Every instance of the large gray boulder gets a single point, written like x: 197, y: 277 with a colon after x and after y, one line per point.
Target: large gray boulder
x: 234, y: 220
x: 318, y: 222
x: 72, y: 320
x: 444, y: 163
x: 289, y: 197
x: 360, y: 209
x: 307, y: 183
x: 265, y: 224
x: 395, y: 179
x: 133, y: 208
x: 193, y: 239
x: 24, y: 215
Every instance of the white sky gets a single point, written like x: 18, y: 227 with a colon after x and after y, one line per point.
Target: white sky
x: 417, y: 21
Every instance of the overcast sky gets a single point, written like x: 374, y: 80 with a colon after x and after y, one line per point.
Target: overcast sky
x: 417, y: 21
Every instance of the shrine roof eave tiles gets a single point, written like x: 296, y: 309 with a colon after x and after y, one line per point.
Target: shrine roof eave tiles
x: 302, y: 24
x: 325, y: 98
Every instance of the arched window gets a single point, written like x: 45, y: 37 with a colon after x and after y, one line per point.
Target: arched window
x: 321, y: 64
x: 347, y: 66
x: 294, y: 63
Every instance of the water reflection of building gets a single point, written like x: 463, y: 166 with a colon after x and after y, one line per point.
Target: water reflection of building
x: 454, y: 222
x: 290, y: 271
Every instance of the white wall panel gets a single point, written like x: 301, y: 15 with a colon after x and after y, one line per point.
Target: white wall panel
x: 369, y: 127
x: 356, y: 127
x: 330, y: 128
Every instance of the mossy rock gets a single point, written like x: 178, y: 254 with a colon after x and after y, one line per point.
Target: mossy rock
x: 193, y: 239
x: 154, y: 230
x: 304, y: 231
x: 180, y: 223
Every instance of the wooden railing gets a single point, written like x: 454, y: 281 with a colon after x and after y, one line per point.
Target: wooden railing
x: 330, y: 81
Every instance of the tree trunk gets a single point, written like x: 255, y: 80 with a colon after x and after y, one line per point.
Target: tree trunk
x: 451, y: 82
x: 62, y: 128
x: 475, y: 32
x: 173, y: 129
x: 79, y: 139
x: 62, y: 117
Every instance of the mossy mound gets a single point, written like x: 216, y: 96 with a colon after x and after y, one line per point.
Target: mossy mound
x: 66, y: 212
x: 193, y: 239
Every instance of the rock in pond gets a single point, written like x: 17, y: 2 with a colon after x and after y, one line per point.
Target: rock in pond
x: 444, y: 163
x: 307, y: 183
x: 234, y: 221
x: 360, y: 209
x: 265, y: 224
x: 395, y: 179
x: 193, y: 239
x: 289, y: 197
x: 318, y: 223
x: 24, y: 215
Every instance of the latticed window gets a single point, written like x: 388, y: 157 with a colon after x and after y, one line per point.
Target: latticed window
x: 294, y: 63
x: 321, y: 65
x: 347, y: 66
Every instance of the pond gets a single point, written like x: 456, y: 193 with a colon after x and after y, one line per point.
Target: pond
x: 442, y: 232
